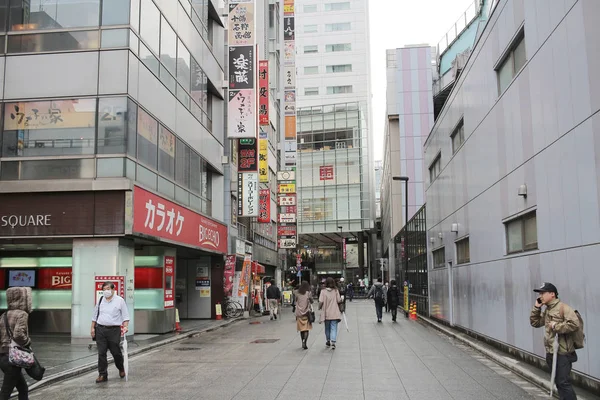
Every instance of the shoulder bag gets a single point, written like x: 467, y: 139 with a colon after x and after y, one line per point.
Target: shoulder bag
x: 18, y: 356
x: 311, y: 314
x: 97, y: 316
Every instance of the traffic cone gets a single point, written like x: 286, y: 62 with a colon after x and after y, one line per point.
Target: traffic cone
x: 177, y: 326
x: 413, y: 312
x: 218, y: 311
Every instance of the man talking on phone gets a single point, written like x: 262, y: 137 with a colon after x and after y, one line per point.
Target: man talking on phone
x: 558, y: 319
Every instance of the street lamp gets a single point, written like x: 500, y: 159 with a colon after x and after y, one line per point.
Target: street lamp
x: 405, y: 179
x: 341, y: 228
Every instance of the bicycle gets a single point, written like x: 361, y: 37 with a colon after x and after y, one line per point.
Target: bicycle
x: 233, y: 308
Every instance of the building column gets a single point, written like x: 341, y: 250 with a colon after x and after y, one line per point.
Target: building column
x: 97, y: 257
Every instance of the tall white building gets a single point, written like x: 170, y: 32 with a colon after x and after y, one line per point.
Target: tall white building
x: 336, y: 195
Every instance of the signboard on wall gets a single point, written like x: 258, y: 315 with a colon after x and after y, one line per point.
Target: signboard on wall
x: 228, y: 273
x: 326, y: 172
x: 263, y: 92
x: 288, y: 200
x: 286, y: 188
x: 247, y: 155
x: 169, y: 285
x: 263, y: 161
x: 287, y: 243
x: 241, y: 23
x: 118, y: 280
x: 55, y: 278
x: 264, y: 212
x: 286, y: 175
x: 248, y: 203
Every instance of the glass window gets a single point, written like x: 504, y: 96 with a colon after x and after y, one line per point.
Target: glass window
x: 112, y: 125
x: 55, y: 41
x: 115, y: 12
x: 146, y: 177
x: 530, y: 232
x: 168, y: 46
x: 149, y: 60
x: 166, y: 153
x: 463, y: 251
x: 521, y: 233
x: 49, y: 128
x: 183, y: 97
x: 339, y: 68
x: 310, y: 8
x: 147, y: 139
x: 182, y: 196
x: 337, y: 6
x: 110, y: 167
x: 115, y: 38
x: 439, y: 258
x: 339, y: 89
x: 131, y: 127
x: 337, y: 27
x: 166, y: 187
x: 199, y: 85
x: 150, y: 25
x: 515, y: 60
x: 182, y: 164
x: 514, y: 235
x: 48, y: 169
x: 311, y: 49
x: 520, y: 56
x: 338, y: 47
x: 458, y: 136
x: 134, y: 43
x: 53, y: 14
x: 311, y: 91
x: 183, y: 65
x: 3, y: 14
x: 505, y: 74
x: 135, y: 14
x: 310, y: 29
x: 206, y: 184
x: 195, y: 172
x: 167, y: 79
x: 311, y: 70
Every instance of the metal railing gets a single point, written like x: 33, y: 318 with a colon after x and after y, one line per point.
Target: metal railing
x: 460, y: 25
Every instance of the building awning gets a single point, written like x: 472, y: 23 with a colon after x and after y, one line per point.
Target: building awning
x: 257, y: 268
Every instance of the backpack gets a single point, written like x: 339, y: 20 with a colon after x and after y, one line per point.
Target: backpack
x: 578, y: 336
x: 378, y: 295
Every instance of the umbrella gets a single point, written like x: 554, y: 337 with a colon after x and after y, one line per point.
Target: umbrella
x: 555, y: 356
x: 345, y: 321
x: 125, y: 356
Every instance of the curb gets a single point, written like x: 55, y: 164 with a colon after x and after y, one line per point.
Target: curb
x: 522, y: 372
x: 83, y: 369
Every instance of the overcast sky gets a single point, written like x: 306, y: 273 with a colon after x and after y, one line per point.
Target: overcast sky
x: 397, y: 23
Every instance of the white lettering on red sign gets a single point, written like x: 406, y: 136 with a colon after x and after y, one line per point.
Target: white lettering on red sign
x: 208, y: 236
x: 159, y: 210
x: 59, y: 281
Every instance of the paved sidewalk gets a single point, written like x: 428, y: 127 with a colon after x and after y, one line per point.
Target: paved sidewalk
x: 408, y: 361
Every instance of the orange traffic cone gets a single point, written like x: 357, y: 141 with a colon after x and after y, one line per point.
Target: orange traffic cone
x: 177, y: 326
x: 218, y: 311
x: 413, y: 311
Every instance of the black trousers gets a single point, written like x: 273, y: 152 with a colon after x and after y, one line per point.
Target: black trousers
x: 108, y: 338
x: 564, y: 362
x: 379, y: 309
x: 394, y: 312
x: 13, y: 377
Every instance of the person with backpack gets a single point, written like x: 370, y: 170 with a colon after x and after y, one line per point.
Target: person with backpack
x: 558, y: 319
x: 393, y: 299
x: 378, y: 294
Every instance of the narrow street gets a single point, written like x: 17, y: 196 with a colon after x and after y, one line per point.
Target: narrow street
x: 405, y: 360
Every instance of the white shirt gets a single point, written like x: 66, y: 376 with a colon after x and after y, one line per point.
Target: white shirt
x: 112, y: 312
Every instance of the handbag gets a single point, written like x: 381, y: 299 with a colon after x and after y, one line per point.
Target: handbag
x: 36, y: 371
x: 97, y: 316
x: 18, y: 356
x: 311, y: 315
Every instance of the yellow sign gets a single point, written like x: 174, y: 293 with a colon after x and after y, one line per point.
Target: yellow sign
x: 205, y: 292
x: 263, y: 161
x: 286, y: 188
x: 50, y: 114
x: 288, y: 7
x: 405, y: 298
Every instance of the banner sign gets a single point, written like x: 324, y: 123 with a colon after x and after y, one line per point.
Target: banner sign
x: 55, y: 278
x: 228, y: 273
x: 286, y: 231
x: 286, y: 175
x: 157, y: 217
x: 289, y: 75
x: 169, y: 282
x: 287, y: 243
x: 289, y: 52
x: 290, y: 127
x: 245, y: 278
x: 289, y: 102
x: 241, y: 67
x: 241, y: 118
x: 264, y: 208
x: 263, y: 161
x: 286, y: 188
x: 289, y: 200
x: 241, y: 24
x: 289, y: 28
x: 248, y: 203
x: 263, y: 92
x: 247, y: 154
x: 326, y: 172
x: 287, y: 218
x: 288, y: 7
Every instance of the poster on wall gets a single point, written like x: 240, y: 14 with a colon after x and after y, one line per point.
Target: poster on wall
x: 169, y: 282
x: 289, y: 28
x: 326, y: 172
x: 118, y: 280
x: 244, y: 285
x: 228, y: 274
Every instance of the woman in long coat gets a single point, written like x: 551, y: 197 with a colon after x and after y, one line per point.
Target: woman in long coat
x: 329, y: 304
x: 303, y: 301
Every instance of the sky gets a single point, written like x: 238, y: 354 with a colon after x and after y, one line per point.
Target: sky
x: 397, y: 23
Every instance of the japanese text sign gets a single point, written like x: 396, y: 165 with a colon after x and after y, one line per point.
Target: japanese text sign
x: 288, y: 200
x: 326, y: 172
x: 286, y: 231
x: 289, y: 28
x: 263, y: 92
x: 158, y: 217
x: 264, y: 211
x: 248, y: 194
x: 169, y: 282
x: 286, y: 188
x: 241, y: 118
x: 247, y: 155
x: 241, y: 24
x: 263, y: 161
x: 241, y: 67
x: 288, y: 7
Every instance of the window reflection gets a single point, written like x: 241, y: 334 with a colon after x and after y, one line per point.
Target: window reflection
x: 147, y: 139
x: 48, y: 169
x: 43, y: 128
x: 150, y: 25
x: 112, y: 125
x: 115, y: 12
x: 55, y: 41
x: 53, y: 14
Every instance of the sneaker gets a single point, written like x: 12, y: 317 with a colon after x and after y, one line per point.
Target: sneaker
x: 378, y: 320
x: 332, y: 345
x: 275, y: 315
x: 328, y: 343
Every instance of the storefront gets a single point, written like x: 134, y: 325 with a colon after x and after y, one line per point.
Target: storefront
x: 64, y: 244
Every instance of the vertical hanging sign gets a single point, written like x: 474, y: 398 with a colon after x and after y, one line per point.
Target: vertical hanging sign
x: 263, y: 93
x: 264, y: 211
x: 263, y: 161
x: 247, y: 178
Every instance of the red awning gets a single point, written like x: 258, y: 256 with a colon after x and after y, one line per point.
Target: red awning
x: 257, y: 268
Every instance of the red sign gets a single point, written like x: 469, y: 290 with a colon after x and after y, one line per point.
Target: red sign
x: 119, y: 282
x: 326, y: 172
x: 148, y: 278
x: 286, y: 230
x: 263, y: 92
x: 289, y: 210
x: 344, y: 251
x: 247, y: 155
x: 228, y: 274
x: 158, y: 217
x: 287, y: 200
x: 169, y: 282
x: 55, y: 278
x: 264, y: 206
x: 257, y: 268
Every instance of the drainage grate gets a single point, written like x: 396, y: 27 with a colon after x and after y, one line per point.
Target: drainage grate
x: 186, y: 348
x: 264, y: 341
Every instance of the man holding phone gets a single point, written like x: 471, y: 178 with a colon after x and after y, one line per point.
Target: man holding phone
x: 558, y: 319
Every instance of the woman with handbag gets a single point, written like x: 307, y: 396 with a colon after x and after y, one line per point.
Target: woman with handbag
x: 14, y: 331
x: 305, y: 316
x: 329, y: 303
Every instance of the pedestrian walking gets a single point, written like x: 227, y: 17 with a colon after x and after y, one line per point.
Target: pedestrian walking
x: 377, y: 292
x: 342, y: 290
x: 14, y: 319
x: 274, y: 297
x: 329, y: 302
x: 386, y: 287
x: 303, y: 312
x: 393, y: 299
x: 109, y: 321
x: 558, y: 319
